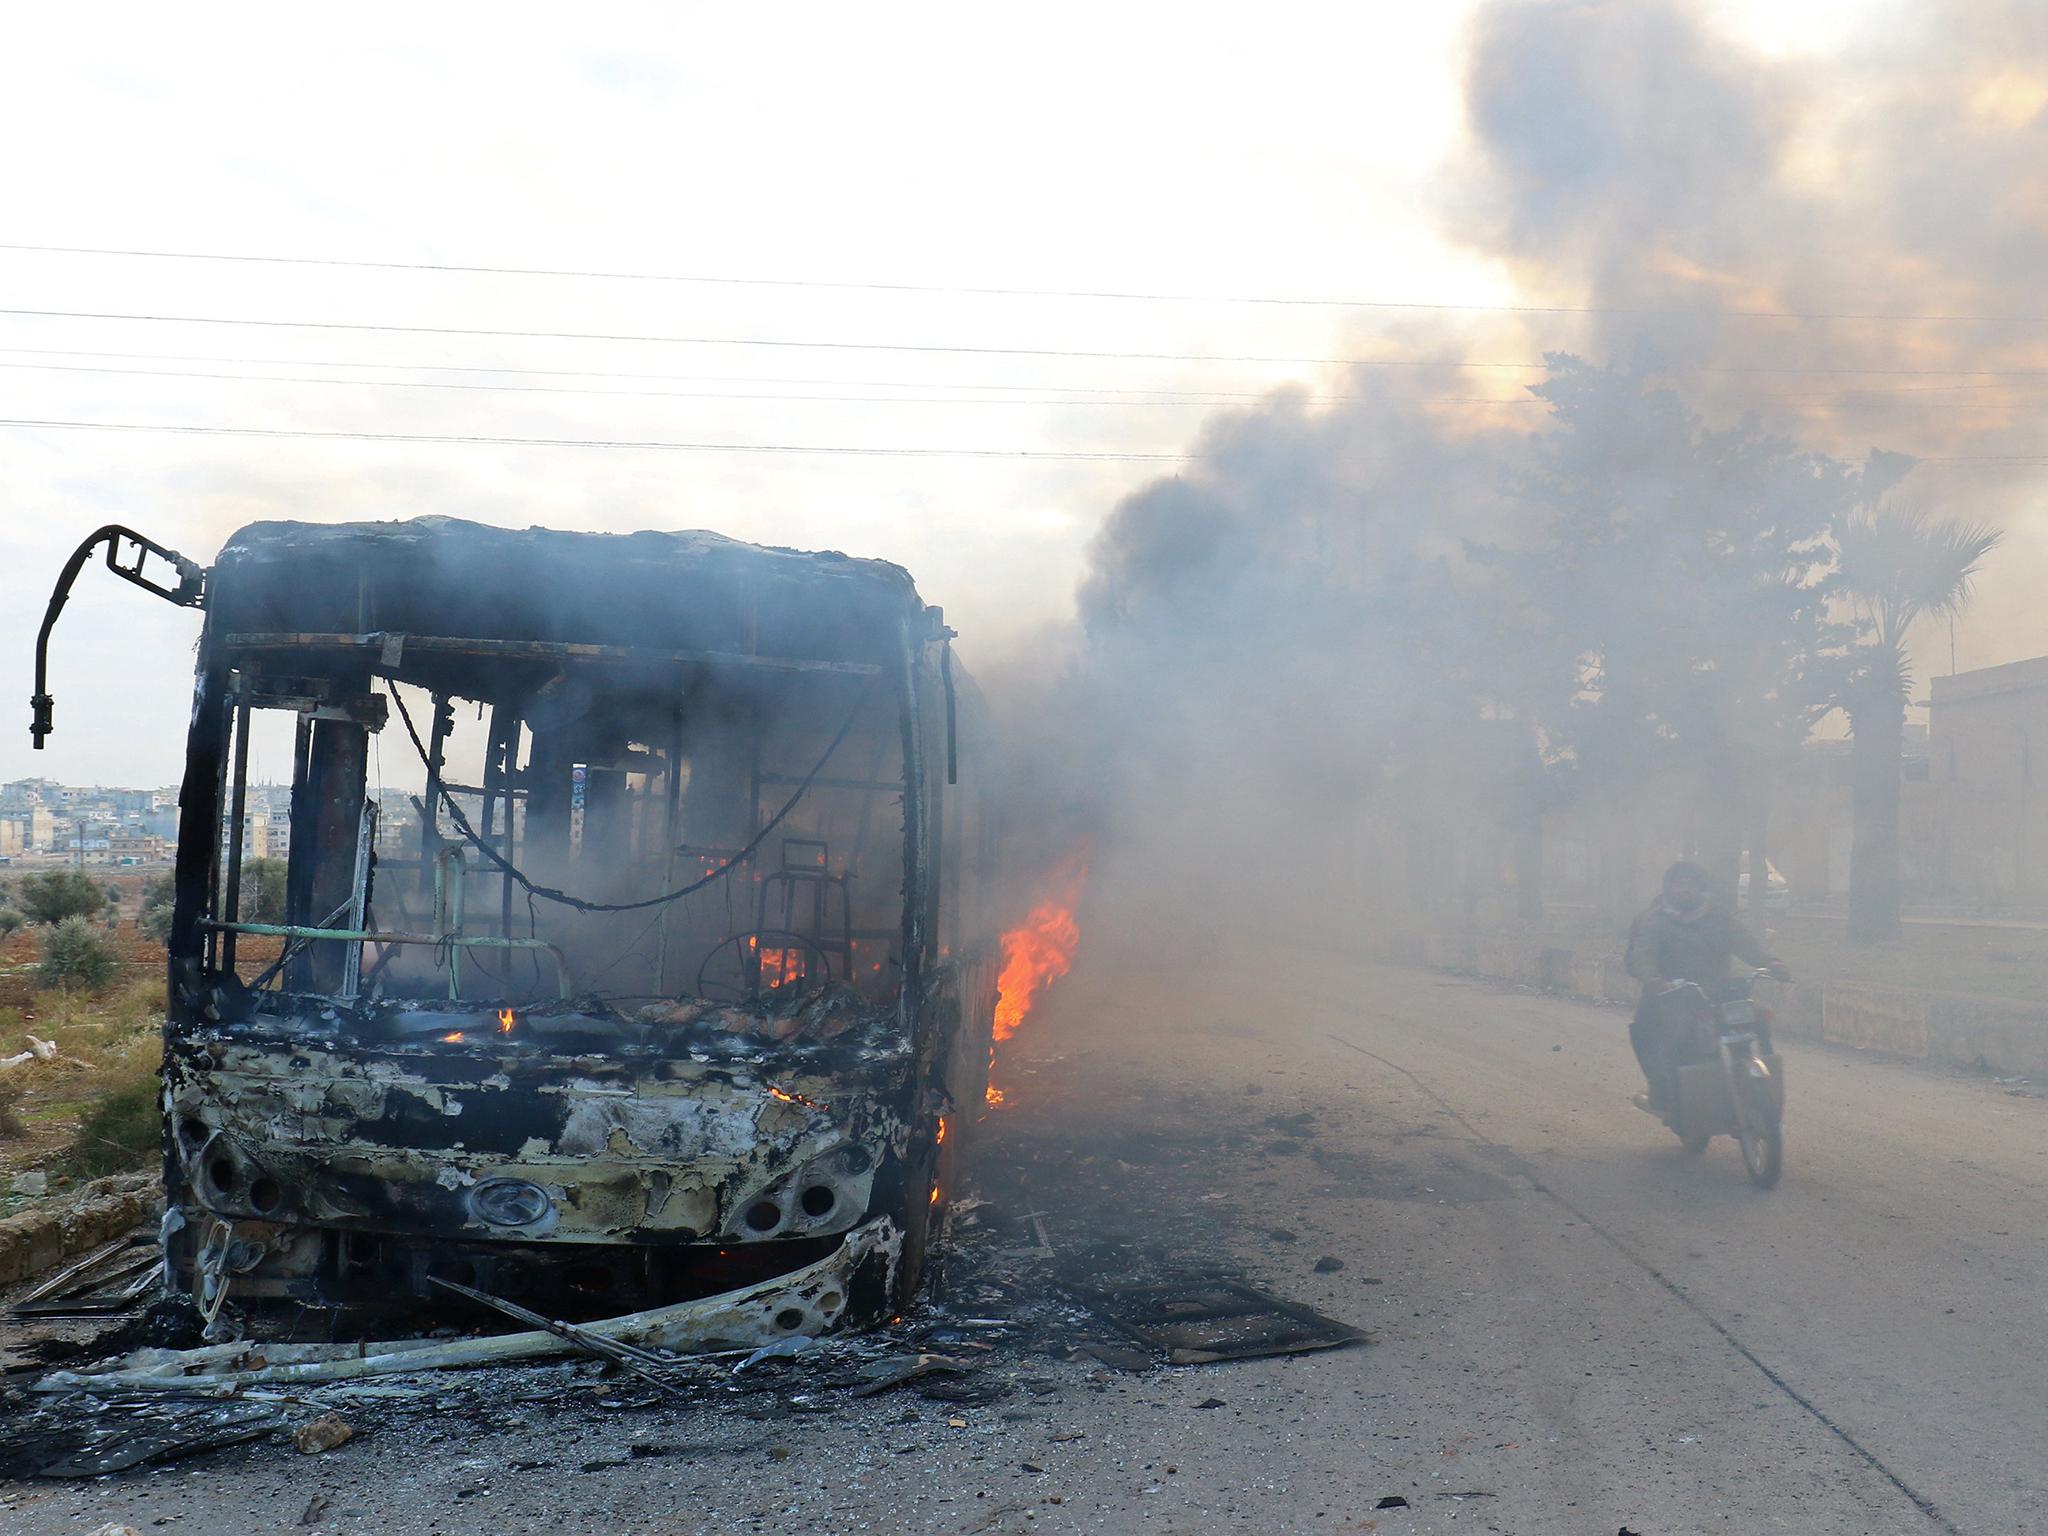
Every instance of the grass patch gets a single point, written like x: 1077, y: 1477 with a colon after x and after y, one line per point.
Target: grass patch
x: 95, y: 1108
x: 122, y: 1130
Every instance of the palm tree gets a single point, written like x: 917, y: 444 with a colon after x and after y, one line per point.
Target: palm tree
x: 1898, y: 565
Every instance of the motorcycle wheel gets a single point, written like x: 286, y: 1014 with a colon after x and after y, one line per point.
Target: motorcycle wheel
x: 1763, y: 1149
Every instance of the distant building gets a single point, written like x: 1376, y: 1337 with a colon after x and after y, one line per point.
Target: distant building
x: 27, y: 792
x: 1988, y: 748
x: 31, y: 828
x: 88, y: 845
x: 137, y: 845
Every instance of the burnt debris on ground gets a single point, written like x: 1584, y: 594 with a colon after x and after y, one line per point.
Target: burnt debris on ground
x: 1037, y: 1274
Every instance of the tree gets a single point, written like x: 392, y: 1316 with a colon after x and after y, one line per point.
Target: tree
x: 57, y: 894
x: 10, y: 920
x: 1898, y: 565
x: 263, y: 891
x: 76, y: 957
x: 1684, y: 573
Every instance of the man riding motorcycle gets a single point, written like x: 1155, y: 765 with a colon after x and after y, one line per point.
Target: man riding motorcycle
x: 1684, y: 936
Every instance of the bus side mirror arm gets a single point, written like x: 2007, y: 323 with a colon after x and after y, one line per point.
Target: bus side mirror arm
x: 190, y: 592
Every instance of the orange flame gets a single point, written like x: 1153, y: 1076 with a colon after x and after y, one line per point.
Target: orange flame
x: 1037, y: 953
x: 506, y: 1019
x: 779, y: 966
x: 452, y: 1037
x: 1041, y: 949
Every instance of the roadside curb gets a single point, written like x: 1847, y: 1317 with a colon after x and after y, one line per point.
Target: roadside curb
x: 2002, y: 1035
x: 44, y: 1236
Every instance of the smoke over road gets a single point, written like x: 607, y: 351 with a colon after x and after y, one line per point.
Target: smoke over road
x: 1760, y: 289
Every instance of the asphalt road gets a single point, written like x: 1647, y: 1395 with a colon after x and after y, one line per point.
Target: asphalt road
x: 1575, y: 1328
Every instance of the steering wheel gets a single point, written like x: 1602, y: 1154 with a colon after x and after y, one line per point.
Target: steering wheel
x: 747, y: 947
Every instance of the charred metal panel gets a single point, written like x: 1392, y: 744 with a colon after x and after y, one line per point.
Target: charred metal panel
x: 729, y: 1142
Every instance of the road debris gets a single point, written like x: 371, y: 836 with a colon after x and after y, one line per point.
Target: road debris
x: 1118, y: 1357
x: 1201, y: 1321
x: 111, y: 1278
x: 643, y: 1363
x: 894, y: 1371
x: 781, y: 1349
x: 815, y: 1294
x: 325, y: 1433
x: 86, y: 1437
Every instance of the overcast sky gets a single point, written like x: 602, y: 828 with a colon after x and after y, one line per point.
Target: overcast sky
x: 1279, y: 151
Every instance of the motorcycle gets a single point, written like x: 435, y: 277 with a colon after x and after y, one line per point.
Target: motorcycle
x: 1730, y: 1080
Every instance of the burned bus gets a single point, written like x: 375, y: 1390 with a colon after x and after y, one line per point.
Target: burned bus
x: 634, y: 942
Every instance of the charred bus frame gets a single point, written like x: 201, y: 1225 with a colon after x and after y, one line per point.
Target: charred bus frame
x: 642, y: 1000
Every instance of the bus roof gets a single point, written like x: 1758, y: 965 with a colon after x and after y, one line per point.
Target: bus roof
x: 668, y: 591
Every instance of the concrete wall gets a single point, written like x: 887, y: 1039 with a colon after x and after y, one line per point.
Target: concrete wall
x: 53, y: 1231
x: 1955, y: 1029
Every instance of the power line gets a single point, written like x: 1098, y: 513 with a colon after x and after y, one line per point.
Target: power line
x: 755, y: 341
x: 984, y: 351
x: 742, y: 378
x: 2012, y: 460
x: 1135, y: 399
x: 592, y: 442
x: 613, y: 373
x: 1127, y: 398
x: 694, y: 378
x: 961, y: 290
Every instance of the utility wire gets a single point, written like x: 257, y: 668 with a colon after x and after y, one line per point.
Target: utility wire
x: 2020, y: 460
x: 1129, y: 397
x: 750, y: 341
x: 613, y: 373
x: 1213, y: 395
x: 1123, y: 295
x: 596, y: 442
x: 1536, y: 365
x: 1190, y: 398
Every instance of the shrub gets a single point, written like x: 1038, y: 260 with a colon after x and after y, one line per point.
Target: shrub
x: 11, y: 1123
x: 76, y: 957
x: 123, y: 1130
x: 56, y: 894
x: 155, y: 922
x: 10, y: 920
x: 159, y: 897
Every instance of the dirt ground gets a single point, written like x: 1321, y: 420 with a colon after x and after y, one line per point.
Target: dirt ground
x: 1573, y: 1327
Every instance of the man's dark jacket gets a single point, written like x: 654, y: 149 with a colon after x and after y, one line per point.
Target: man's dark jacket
x: 1669, y: 946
